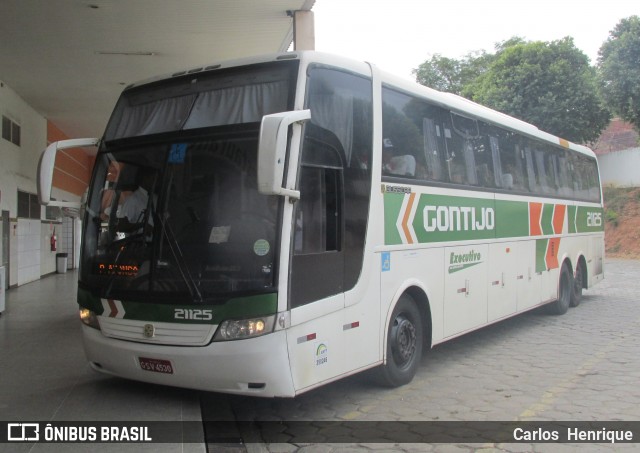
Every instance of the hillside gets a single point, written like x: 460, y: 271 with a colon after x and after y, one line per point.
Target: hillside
x: 622, y: 222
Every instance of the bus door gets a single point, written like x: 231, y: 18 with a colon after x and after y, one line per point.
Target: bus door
x: 329, y: 228
x: 316, y: 288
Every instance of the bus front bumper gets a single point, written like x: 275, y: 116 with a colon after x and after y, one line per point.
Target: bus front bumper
x: 257, y: 366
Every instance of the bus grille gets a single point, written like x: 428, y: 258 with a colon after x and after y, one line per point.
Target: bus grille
x: 157, y: 332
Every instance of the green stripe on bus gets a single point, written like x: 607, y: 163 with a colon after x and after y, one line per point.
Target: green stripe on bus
x: 446, y: 218
x: 442, y: 218
x: 541, y: 254
x: 589, y: 220
x: 547, y: 219
x: 572, y: 219
x: 512, y: 219
x: 236, y: 308
x: 89, y: 301
x: 392, y: 207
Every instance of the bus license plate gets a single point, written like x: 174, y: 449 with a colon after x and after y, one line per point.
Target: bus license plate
x: 156, y: 365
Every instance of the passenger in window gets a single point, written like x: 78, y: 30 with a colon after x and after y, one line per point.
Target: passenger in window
x: 109, y: 193
x: 507, y: 181
x: 392, y: 164
x: 132, y: 214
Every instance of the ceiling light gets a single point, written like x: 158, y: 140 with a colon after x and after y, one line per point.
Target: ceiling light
x: 126, y: 53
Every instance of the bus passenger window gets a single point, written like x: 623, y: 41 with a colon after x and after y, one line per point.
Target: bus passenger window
x: 433, y: 162
x: 511, y: 163
x: 396, y: 164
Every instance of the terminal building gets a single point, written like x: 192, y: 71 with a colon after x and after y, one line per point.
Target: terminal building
x: 62, y: 67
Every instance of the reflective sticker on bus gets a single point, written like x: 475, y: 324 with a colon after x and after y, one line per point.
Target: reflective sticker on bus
x: 112, y: 308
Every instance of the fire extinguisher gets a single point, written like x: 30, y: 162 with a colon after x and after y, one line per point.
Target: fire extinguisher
x: 54, y: 241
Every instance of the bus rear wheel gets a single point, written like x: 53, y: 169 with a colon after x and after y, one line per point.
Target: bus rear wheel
x: 565, y: 293
x: 578, y: 282
x: 404, y: 344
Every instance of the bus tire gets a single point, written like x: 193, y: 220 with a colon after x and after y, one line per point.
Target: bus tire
x: 565, y: 291
x: 578, y: 284
x: 404, y: 344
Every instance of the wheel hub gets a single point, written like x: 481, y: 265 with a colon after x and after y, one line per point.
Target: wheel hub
x: 404, y: 336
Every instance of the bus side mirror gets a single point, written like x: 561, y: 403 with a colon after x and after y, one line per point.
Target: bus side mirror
x: 272, y: 151
x: 46, y: 165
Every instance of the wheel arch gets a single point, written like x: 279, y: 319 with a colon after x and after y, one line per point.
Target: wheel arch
x: 566, y: 259
x: 419, y: 294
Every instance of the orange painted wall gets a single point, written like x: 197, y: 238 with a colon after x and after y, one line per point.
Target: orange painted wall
x: 72, y: 167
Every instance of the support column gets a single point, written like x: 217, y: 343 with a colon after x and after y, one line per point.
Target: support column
x: 304, y: 35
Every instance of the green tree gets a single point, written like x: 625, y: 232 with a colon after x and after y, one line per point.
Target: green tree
x: 451, y: 75
x: 619, y: 70
x: 440, y: 73
x: 549, y: 84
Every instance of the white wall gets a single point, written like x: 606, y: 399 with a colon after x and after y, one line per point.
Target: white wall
x: 29, y: 239
x: 28, y: 245
x: 19, y: 163
x: 620, y: 168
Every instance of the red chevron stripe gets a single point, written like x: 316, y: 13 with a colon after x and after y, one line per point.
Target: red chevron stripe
x: 113, y: 307
x: 551, y: 258
x: 535, y: 214
x: 558, y: 218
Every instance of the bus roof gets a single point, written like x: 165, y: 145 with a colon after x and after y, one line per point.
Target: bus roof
x: 449, y: 100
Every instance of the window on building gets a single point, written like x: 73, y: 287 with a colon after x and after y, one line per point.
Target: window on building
x: 28, y: 206
x: 53, y: 213
x: 10, y: 131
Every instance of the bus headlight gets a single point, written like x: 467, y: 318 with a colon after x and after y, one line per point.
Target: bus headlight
x: 238, y: 329
x: 89, y: 318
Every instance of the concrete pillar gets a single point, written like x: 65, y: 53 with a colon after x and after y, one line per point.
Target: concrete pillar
x: 304, y: 35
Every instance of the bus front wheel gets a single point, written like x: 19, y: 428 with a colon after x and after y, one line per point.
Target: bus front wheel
x: 404, y: 344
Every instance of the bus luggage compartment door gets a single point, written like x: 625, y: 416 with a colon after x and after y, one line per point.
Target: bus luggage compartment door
x: 465, y: 300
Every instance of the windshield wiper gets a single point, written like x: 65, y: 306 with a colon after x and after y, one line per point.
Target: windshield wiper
x: 183, y: 267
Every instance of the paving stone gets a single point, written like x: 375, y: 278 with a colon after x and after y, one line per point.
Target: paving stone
x: 579, y: 366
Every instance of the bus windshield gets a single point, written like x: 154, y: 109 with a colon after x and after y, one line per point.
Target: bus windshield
x: 174, y: 212
x: 183, y: 216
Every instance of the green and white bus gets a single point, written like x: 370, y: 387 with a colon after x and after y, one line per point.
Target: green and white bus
x: 268, y: 225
